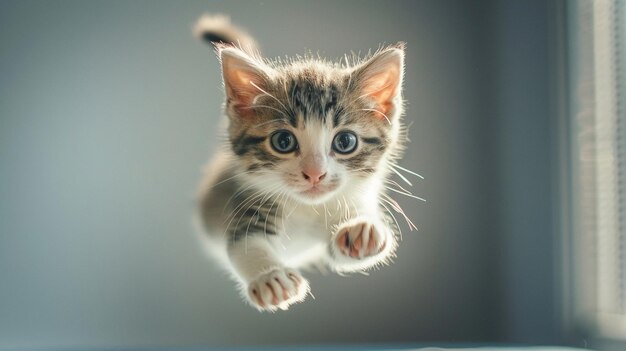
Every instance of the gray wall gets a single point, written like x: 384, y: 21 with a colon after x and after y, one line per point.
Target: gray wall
x: 526, y: 43
x: 108, y: 112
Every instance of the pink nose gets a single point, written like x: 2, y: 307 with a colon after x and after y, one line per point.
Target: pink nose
x: 314, y: 176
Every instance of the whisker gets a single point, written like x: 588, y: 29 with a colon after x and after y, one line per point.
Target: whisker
x: 260, y: 192
x: 268, y: 94
x: 268, y: 215
x: 339, y: 208
x: 282, y: 202
x: 227, y: 179
x: 256, y: 213
x: 374, y: 110
x: 235, y: 194
x: 287, y: 97
x: 235, y: 211
x: 406, y: 170
x: 405, y: 194
x: 282, y: 121
x: 356, y: 170
x: 270, y: 107
x: 355, y: 209
x: 400, y: 175
x: 399, y: 209
x: 393, y: 217
x: 292, y: 211
x: 242, y: 190
x: 350, y: 74
x: 325, y: 216
x: 249, y: 200
x: 349, y: 215
x: 241, y: 216
x: 375, y: 91
x: 284, y: 198
x: 314, y: 210
x: 389, y: 181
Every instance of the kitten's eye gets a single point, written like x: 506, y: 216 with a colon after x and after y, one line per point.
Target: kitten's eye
x: 344, y: 142
x: 283, y: 141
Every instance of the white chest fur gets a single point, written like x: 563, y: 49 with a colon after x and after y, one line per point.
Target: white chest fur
x: 309, y: 229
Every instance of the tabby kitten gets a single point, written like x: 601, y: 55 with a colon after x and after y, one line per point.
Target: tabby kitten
x: 301, y: 178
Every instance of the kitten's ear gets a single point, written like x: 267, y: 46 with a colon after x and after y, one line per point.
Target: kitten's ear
x: 244, y: 78
x: 380, y: 79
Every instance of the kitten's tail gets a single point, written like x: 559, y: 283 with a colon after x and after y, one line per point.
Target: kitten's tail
x: 217, y: 28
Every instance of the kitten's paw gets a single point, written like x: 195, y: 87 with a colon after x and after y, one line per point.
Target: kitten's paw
x: 361, y: 239
x: 362, y: 243
x: 277, y: 289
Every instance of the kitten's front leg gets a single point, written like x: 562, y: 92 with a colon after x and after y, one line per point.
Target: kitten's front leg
x: 266, y: 283
x: 361, y: 243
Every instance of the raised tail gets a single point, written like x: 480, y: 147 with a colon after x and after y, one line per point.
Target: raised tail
x: 217, y: 28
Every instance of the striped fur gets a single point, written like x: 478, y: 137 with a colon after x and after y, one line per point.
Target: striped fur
x: 270, y: 212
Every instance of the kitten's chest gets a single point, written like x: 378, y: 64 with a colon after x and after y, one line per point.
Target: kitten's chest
x: 319, y: 222
x: 305, y: 235
x: 314, y: 222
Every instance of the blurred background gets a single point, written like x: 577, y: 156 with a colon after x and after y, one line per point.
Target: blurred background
x: 108, y: 112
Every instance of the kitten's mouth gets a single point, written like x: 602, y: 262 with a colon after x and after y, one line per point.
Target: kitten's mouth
x: 317, y: 191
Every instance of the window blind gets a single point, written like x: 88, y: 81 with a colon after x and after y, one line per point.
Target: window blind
x: 598, y: 101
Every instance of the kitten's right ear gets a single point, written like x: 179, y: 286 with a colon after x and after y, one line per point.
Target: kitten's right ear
x: 244, y: 78
x: 379, y: 79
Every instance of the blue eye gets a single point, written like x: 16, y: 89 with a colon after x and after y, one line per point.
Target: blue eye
x: 283, y: 141
x: 344, y: 142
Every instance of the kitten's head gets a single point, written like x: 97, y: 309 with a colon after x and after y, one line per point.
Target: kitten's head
x: 309, y: 128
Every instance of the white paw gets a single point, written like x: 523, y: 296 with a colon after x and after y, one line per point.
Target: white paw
x: 277, y: 289
x: 362, y: 243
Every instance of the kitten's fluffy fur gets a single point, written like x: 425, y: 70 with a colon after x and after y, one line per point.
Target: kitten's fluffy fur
x: 321, y: 199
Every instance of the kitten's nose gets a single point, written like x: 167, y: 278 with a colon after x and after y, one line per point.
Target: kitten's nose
x: 314, y: 176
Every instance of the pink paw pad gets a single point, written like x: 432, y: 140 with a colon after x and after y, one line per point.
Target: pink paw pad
x: 277, y: 289
x: 360, y: 240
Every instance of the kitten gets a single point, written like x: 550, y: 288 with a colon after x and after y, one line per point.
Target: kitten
x: 301, y: 178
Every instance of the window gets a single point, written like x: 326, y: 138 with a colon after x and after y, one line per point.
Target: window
x: 597, y: 129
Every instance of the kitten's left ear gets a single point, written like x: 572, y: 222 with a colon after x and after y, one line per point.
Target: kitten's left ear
x: 380, y: 79
x: 245, y: 77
